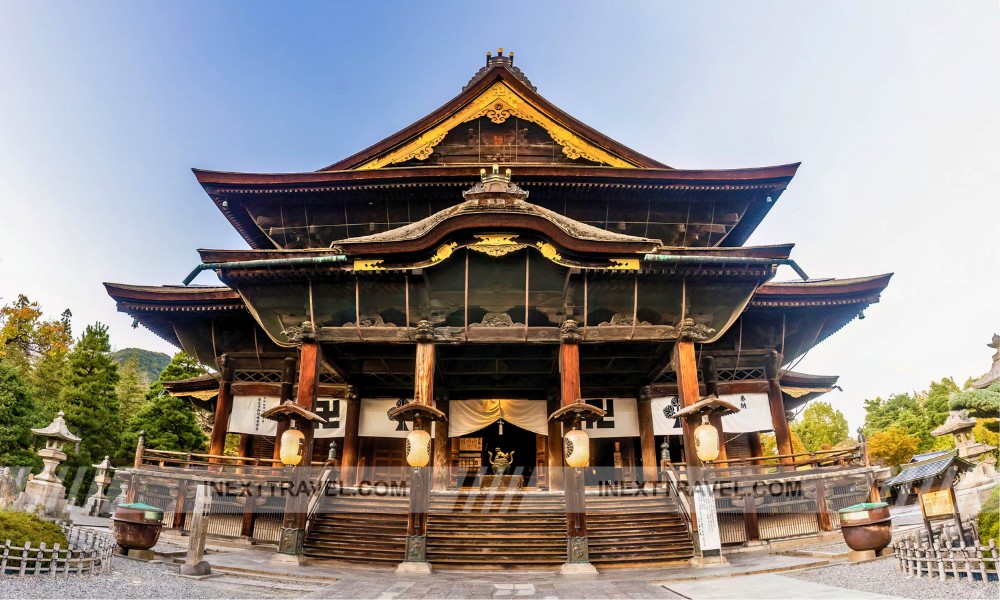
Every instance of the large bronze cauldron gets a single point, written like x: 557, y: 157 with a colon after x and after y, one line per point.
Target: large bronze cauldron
x: 137, y: 526
x: 866, y: 526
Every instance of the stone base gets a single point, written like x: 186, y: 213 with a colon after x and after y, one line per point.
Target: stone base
x: 44, y: 498
x: 288, y: 559
x: 291, y: 541
x: 140, y: 554
x: 860, y: 555
x: 415, y: 568
x: 708, y: 561
x: 199, y: 569
x: 584, y: 568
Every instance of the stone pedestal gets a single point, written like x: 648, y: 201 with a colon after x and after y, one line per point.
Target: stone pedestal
x: 417, y: 568
x: 861, y: 555
x: 43, y: 497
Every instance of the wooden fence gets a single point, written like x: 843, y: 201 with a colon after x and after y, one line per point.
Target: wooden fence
x: 952, y: 554
x: 89, y: 553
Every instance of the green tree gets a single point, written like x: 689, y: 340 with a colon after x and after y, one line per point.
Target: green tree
x: 821, y: 426
x: 37, y: 348
x: 770, y: 446
x: 982, y: 404
x: 17, y: 416
x: 132, y: 387
x: 170, y: 423
x: 882, y: 414
x: 892, y: 447
x: 89, y: 401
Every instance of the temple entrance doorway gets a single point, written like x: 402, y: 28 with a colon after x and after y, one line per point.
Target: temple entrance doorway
x: 472, y: 454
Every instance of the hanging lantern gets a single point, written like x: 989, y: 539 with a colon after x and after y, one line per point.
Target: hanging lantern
x: 418, y: 448
x: 706, y: 441
x: 576, y: 446
x: 291, y: 447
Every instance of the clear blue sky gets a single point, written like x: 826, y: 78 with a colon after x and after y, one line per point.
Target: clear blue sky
x: 892, y: 107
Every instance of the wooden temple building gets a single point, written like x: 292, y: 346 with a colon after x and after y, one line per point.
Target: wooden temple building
x: 498, y: 264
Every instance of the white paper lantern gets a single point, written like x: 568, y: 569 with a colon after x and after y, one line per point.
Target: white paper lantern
x: 290, y: 450
x: 576, y: 447
x: 706, y: 441
x: 418, y: 448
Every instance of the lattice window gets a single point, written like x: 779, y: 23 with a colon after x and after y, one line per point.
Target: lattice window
x: 330, y: 378
x: 258, y: 376
x: 741, y: 374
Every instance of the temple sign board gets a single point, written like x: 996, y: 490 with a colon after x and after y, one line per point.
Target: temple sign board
x: 708, y: 519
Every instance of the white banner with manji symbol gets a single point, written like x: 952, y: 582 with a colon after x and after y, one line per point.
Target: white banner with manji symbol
x: 620, y: 418
x: 246, y: 416
x: 754, y: 415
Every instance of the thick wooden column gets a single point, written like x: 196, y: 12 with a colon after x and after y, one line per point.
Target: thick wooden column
x: 822, y: 512
x: 246, y: 443
x: 647, y: 441
x: 750, y: 521
x: 442, y: 450
x: 711, y: 377
x: 555, y: 448
x: 310, y: 364
x: 756, y: 446
x: 223, y: 409
x: 782, y: 434
x: 686, y: 367
x: 352, y: 423
x: 287, y: 387
x: 569, y: 370
x: 423, y: 380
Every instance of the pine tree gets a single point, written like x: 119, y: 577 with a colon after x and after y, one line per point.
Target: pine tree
x: 169, y: 422
x: 132, y: 387
x: 17, y: 416
x: 91, y: 406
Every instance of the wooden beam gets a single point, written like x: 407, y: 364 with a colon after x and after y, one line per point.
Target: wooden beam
x: 223, y: 409
x: 569, y: 366
x: 782, y: 434
x: 442, y: 450
x: 423, y: 384
x: 686, y: 367
x: 647, y: 441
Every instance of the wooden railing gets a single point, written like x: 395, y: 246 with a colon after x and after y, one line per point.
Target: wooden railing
x: 89, y: 552
x: 798, y: 461
x: 672, y: 477
x: 192, y: 461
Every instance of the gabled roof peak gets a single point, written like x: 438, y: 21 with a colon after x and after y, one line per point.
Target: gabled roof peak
x: 496, y: 62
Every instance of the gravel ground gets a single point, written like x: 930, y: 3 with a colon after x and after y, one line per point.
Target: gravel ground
x: 132, y: 579
x: 884, y: 577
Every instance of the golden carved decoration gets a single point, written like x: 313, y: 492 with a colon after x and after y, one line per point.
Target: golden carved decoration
x: 498, y: 103
x: 496, y: 244
x: 624, y: 264
x: 548, y: 251
x: 369, y: 265
x: 443, y: 252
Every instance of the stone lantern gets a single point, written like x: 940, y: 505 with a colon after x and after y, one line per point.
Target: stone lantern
x: 98, y: 503
x: 45, y: 492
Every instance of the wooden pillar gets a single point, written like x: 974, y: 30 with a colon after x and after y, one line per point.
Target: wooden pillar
x: 349, y: 453
x: 310, y: 364
x: 711, y: 376
x: 647, y: 441
x: 782, y: 434
x: 179, y: 505
x: 442, y: 450
x: 223, y: 409
x: 287, y: 386
x: 686, y: 367
x: 822, y: 513
x: 756, y: 447
x: 569, y: 370
x: 750, y: 522
x: 245, y: 446
x: 555, y: 448
x: 423, y: 380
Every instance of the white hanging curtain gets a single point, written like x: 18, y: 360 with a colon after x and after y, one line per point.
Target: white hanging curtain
x: 620, y: 418
x: 466, y: 416
x: 245, y: 417
x: 754, y: 415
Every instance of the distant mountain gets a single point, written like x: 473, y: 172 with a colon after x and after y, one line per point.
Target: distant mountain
x: 150, y: 363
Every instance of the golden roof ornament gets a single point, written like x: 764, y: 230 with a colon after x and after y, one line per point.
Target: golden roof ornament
x: 494, y: 189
